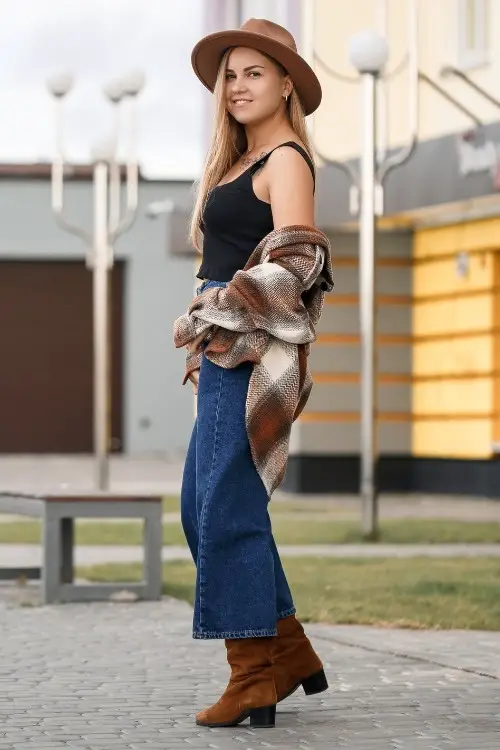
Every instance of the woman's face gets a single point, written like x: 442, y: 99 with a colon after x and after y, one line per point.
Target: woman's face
x: 255, y: 87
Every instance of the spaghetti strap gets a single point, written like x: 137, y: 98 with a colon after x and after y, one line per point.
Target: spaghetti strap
x: 260, y: 163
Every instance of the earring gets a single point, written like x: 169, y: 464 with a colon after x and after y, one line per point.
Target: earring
x: 285, y: 97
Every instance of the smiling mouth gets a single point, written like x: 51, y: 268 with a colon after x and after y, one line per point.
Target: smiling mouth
x: 240, y: 102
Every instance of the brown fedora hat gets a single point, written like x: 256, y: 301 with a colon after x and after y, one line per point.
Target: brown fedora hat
x: 264, y: 36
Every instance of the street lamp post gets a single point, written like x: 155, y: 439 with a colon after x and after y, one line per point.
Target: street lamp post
x: 368, y: 52
x: 108, y: 225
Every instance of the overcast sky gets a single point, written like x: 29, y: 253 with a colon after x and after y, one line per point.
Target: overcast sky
x: 98, y: 40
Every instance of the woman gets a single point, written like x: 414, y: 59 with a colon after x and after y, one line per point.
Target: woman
x: 265, y: 270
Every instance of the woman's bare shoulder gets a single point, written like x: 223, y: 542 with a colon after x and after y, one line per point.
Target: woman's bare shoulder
x: 291, y: 188
x: 287, y: 163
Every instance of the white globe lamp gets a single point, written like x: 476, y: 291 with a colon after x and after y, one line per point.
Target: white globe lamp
x: 103, y: 151
x: 369, y: 52
x: 115, y: 90
x: 59, y: 84
x: 134, y: 82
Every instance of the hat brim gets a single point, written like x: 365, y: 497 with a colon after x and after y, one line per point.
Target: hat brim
x: 207, y: 54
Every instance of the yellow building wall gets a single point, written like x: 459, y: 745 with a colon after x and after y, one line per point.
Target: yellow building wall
x: 456, y: 335
x: 332, y: 22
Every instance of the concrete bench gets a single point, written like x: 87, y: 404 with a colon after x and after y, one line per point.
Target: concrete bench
x: 58, y: 513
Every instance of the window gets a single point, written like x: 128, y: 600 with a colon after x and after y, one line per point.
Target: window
x: 472, y: 33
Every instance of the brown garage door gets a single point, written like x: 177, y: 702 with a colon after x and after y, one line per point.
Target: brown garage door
x: 46, y: 360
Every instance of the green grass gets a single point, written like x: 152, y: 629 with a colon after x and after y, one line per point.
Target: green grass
x: 120, y: 533
x: 416, y: 593
x: 329, y: 531
x: 171, y: 504
x: 286, y: 531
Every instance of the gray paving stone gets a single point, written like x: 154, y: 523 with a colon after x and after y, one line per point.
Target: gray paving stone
x: 100, y: 676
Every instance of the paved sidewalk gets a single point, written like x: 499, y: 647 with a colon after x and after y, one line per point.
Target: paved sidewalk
x: 468, y: 650
x: 30, y: 555
x: 105, y: 676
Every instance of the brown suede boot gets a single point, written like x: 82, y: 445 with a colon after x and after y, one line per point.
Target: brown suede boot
x: 295, y: 661
x: 250, y: 692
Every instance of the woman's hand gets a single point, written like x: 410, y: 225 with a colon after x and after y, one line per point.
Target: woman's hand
x: 194, y: 377
x: 195, y: 344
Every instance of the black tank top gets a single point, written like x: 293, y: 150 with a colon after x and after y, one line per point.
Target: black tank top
x: 235, y: 221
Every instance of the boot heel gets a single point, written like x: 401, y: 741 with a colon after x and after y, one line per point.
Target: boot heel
x: 263, y: 717
x: 316, y: 683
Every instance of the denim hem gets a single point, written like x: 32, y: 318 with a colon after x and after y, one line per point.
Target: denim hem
x: 286, y: 613
x: 235, y: 634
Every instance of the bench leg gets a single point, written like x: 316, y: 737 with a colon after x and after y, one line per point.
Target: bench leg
x: 51, y: 571
x: 67, y: 545
x: 153, y: 542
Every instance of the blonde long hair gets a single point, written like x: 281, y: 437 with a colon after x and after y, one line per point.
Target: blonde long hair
x: 228, y: 142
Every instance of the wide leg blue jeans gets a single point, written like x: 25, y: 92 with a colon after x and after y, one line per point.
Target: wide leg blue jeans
x: 241, y: 588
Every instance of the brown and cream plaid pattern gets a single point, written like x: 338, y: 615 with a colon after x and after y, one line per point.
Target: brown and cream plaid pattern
x: 266, y: 315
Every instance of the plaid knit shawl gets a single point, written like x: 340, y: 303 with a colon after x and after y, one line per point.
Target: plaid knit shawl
x: 266, y: 315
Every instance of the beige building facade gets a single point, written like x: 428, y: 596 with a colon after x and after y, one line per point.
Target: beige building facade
x: 464, y: 34
x: 438, y: 260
